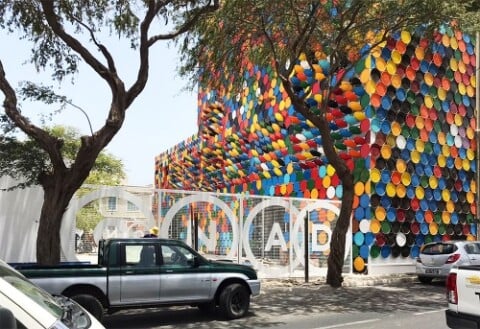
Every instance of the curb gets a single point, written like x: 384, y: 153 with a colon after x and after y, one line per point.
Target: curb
x: 349, y: 280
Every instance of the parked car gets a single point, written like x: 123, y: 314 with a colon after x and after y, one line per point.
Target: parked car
x: 437, y: 258
x: 24, y: 305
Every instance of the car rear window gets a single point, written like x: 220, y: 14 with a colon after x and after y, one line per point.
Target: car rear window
x: 439, y: 249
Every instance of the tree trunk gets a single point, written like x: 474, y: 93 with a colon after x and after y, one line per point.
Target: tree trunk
x: 337, y: 245
x: 57, y: 196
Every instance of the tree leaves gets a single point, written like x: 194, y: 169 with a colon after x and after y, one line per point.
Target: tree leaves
x: 25, y: 160
x: 266, y: 32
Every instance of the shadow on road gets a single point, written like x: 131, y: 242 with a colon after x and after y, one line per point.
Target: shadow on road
x: 275, y: 304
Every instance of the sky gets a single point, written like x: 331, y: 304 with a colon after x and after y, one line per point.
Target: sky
x: 162, y: 116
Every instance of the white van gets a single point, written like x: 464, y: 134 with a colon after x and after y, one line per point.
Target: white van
x: 26, y: 306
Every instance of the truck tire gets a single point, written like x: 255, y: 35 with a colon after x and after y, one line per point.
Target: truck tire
x: 425, y: 279
x: 234, y: 301
x: 91, y: 304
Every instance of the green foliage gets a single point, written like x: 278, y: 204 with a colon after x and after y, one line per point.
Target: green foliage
x: 49, y: 49
x: 88, y: 217
x: 268, y: 32
x: 107, y: 170
x: 61, y: 33
x: 471, y: 19
x: 22, y: 160
x: 121, y: 18
x: 25, y: 160
x: 278, y: 34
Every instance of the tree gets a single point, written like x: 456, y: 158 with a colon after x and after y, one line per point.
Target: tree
x: 107, y: 170
x: 55, y: 28
x: 280, y: 34
x: 470, y: 21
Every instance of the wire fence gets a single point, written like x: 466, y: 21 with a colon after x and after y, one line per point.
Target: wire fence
x: 266, y: 232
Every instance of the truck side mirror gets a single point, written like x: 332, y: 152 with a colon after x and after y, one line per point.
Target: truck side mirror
x: 7, y: 319
x: 194, y: 262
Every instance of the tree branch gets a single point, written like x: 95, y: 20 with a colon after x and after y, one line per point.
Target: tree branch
x: 146, y: 43
x: 103, y: 49
x: 142, y: 75
x: 57, y: 28
x: 188, y: 24
x: 50, y: 144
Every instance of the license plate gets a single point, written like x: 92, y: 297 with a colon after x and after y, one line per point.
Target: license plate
x: 432, y: 271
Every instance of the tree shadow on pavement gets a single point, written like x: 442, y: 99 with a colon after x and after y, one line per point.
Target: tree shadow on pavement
x: 277, y: 303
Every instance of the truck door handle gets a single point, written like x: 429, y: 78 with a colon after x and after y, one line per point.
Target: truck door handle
x: 128, y: 272
x: 169, y: 271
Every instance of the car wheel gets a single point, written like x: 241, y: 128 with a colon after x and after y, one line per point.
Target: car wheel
x: 91, y: 304
x: 208, y: 308
x: 425, y: 279
x: 234, y: 301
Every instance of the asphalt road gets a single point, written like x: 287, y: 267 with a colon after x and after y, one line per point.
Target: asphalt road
x: 400, y: 305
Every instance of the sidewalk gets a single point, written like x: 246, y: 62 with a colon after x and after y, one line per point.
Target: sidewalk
x: 349, y: 280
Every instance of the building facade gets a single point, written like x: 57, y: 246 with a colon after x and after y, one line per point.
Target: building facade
x: 403, y: 119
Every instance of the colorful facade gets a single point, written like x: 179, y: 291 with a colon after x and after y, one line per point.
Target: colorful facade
x: 403, y: 120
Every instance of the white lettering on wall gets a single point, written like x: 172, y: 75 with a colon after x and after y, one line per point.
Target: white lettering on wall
x: 317, y: 228
x: 276, y: 238
x: 211, y: 242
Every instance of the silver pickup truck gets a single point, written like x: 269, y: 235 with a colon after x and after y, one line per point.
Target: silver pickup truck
x: 141, y: 272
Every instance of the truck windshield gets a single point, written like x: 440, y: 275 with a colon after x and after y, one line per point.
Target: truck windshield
x: 38, y: 295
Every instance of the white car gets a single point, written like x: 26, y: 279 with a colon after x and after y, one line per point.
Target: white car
x: 437, y: 258
x: 24, y: 305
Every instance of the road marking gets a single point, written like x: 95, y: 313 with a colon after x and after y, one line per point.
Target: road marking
x: 348, y: 324
x: 428, y: 312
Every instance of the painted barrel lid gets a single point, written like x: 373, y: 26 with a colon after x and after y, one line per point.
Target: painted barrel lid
x: 359, y: 264
x: 386, y: 227
x: 385, y: 251
x: 363, y: 252
x: 414, y: 252
x: 369, y: 238
x: 375, y: 251
x: 364, y: 226
x: 375, y: 226
x: 401, y: 239
x: 358, y: 238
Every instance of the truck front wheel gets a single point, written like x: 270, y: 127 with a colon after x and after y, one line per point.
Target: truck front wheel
x: 91, y: 304
x: 234, y: 301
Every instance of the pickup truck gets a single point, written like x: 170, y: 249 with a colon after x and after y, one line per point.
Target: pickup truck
x: 150, y: 272
x: 463, y: 293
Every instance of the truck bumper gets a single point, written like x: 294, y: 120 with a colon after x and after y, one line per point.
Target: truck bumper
x: 254, y: 287
x: 462, y: 321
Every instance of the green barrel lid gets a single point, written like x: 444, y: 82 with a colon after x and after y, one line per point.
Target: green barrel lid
x: 414, y: 133
x: 375, y: 251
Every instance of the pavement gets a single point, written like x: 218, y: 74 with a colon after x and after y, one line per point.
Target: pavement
x: 280, y: 300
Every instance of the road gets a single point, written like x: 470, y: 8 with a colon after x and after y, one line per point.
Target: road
x: 401, y: 305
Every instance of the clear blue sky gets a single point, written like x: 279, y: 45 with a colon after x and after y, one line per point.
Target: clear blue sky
x: 162, y: 116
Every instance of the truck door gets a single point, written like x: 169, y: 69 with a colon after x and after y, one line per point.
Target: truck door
x: 181, y: 280
x: 139, y: 273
